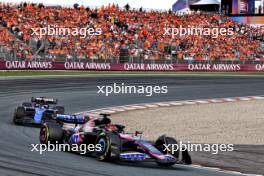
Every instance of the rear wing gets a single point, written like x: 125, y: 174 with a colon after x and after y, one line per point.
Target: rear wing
x: 44, y: 100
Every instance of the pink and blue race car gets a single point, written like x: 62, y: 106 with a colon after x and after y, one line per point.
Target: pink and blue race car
x: 114, y: 142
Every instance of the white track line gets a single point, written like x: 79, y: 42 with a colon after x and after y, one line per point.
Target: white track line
x: 118, y: 109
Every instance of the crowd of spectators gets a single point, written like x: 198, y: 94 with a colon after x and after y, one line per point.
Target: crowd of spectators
x: 139, y: 32
x: 10, y: 44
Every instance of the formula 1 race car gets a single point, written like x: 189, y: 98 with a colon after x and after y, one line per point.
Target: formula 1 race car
x: 114, y: 142
x: 38, y: 111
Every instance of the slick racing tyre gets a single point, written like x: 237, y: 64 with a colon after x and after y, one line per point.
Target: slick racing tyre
x: 105, y: 152
x: 164, y: 140
x: 18, y: 115
x: 20, y: 112
x: 169, y: 141
x: 50, y: 132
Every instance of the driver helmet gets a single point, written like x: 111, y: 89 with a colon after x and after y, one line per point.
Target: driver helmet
x: 45, y: 106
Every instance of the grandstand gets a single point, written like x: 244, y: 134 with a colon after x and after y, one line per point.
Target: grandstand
x: 128, y: 35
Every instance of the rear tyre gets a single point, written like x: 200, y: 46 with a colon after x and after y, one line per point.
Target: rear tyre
x: 105, y: 153
x: 50, y: 132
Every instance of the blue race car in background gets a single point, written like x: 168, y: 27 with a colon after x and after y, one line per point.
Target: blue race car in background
x: 38, y: 111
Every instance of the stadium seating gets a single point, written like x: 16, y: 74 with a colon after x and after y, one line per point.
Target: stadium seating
x: 140, y: 32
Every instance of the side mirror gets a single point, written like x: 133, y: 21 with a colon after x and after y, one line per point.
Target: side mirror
x: 138, y: 133
x: 105, y: 114
x: 120, y: 128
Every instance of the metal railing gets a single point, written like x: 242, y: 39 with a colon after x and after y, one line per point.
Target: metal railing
x: 142, y: 56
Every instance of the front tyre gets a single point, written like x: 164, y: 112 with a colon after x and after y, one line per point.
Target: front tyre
x: 17, y: 121
x: 164, y: 140
x: 104, y: 153
x: 18, y: 115
x: 160, y: 145
x: 169, y: 141
x: 50, y: 132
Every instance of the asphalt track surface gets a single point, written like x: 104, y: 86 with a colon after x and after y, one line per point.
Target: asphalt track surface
x: 80, y: 94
